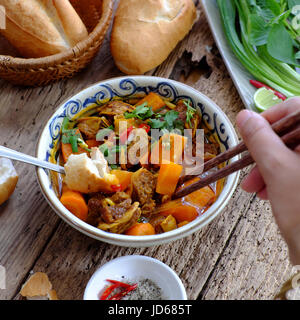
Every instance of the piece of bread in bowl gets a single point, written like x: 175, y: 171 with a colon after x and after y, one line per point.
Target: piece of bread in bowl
x: 89, y: 175
x: 145, y: 32
x: 39, y: 28
x: 8, y: 179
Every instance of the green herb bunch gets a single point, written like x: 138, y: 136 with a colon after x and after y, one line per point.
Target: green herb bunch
x: 265, y: 37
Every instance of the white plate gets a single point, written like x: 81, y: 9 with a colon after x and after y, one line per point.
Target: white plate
x: 133, y: 268
x: 238, y: 73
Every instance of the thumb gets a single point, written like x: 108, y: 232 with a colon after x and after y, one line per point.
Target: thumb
x: 263, y: 143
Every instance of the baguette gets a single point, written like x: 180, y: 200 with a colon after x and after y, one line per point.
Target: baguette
x: 39, y: 28
x: 8, y: 179
x: 89, y: 175
x: 145, y: 32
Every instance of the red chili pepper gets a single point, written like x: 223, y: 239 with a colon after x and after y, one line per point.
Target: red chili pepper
x: 122, y: 284
x: 124, y: 135
x: 117, y: 285
x: 116, y: 188
x: 145, y: 126
x: 258, y: 84
x: 108, y: 291
x: 120, y: 295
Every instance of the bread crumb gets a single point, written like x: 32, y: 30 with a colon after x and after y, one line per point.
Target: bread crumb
x: 38, y: 287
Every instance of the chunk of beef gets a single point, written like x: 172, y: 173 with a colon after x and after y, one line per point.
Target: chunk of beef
x: 130, y: 217
x: 181, y: 108
x: 114, y: 108
x: 211, y: 149
x: 143, y: 184
x: 89, y: 126
x: 108, y: 209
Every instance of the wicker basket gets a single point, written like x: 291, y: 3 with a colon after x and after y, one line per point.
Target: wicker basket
x: 96, y: 15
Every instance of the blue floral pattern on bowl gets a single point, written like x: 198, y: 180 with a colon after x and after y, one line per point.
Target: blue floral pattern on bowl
x: 126, y: 88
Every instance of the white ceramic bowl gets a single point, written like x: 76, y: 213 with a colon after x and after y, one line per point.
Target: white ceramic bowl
x: 127, y: 86
x: 134, y: 268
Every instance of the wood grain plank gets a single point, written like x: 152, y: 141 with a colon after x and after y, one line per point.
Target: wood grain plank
x: 255, y: 268
x: 71, y: 258
x: 26, y: 221
x: 32, y: 237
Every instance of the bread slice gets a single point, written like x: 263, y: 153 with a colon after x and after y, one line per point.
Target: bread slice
x: 8, y: 179
x: 88, y: 175
x: 145, y: 32
x: 39, y: 28
x: 38, y: 287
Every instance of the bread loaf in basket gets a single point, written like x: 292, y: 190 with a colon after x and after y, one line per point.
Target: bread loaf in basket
x: 96, y: 16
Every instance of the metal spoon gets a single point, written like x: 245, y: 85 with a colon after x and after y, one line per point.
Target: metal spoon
x: 15, y: 155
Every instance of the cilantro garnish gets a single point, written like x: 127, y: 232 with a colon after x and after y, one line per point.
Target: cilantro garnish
x: 189, y: 112
x: 104, y: 133
x: 72, y: 136
x: 170, y: 117
x: 168, y: 122
x: 141, y: 112
x: 104, y: 149
x: 156, y: 124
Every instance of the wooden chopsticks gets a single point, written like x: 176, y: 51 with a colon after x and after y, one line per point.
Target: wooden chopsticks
x: 286, y: 128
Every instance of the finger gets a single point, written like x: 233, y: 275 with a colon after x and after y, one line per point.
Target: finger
x: 263, y: 194
x: 282, y: 110
x: 254, y: 182
x: 297, y: 149
x: 264, y: 145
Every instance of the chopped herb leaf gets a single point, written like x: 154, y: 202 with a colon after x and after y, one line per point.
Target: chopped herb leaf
x: 141, y: 112
x: 65, y: 125
x: 104, y: 149
x: 156, y: 124
x: 189, y: 113
x: 74, y: 143
x: 115, y: 149
x: 70, y: 135
x: 104, y: 133
x: 178, y: 124
x: 170, y: 117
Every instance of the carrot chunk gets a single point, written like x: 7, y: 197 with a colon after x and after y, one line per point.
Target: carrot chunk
x: 191, y: 205
x: 168, y: 176
x: 124, y: 178
x: 75, y: 203
x: 141, y: 229
x: 153, y: 100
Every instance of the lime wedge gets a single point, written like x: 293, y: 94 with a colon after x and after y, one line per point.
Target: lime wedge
x: 265, y: 99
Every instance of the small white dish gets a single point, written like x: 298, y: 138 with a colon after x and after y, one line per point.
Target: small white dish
x: 132, y: 268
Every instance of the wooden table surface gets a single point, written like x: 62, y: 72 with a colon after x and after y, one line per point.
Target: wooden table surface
x: 240, y: 255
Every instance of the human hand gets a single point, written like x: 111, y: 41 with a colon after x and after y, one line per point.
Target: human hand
x: 276, y: 176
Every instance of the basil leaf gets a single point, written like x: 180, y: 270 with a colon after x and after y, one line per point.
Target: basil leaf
x: 280, y: 44
x: 259, y: 30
